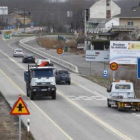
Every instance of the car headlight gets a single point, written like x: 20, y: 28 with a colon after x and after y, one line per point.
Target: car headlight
x: 34, y: 89
x: 53, y: 88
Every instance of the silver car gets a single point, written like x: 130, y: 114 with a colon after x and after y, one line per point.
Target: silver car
x: 18, y: 52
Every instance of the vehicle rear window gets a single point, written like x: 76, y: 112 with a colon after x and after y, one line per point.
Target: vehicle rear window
x: 43, y: 73
x: 18, y: 50
x: 61, y: 72
x: 122, y: 86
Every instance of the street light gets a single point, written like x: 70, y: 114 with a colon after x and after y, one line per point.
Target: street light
x: 86, y: 17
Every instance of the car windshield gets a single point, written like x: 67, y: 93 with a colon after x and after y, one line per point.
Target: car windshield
x: 61, y: 72
x: 122, y: 86
x: 29, y: 55
x: 43, y: 73
x: 18, y: 50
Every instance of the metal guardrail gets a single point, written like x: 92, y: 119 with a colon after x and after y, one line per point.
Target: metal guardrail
x: 44, y: 54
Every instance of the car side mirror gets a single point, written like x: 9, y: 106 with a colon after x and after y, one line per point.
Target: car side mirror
x: 27, y: 76
x: 108, y: 90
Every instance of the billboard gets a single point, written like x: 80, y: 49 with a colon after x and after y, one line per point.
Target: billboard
x: 124, y: 52
x: 97, y: 55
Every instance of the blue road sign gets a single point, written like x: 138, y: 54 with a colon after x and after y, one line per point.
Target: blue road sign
x: 8, y: 28
x: 105, y: 73
x: 13, y: 27
x: 138, y: 68
x: 32, y: 23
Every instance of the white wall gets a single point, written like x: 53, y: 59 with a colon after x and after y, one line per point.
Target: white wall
x: 115, y: 9
x: 114, y: 22
x: 98, y: 10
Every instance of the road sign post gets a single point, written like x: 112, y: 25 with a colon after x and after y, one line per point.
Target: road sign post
x: 19, y: 108
x: 59, y: 51
x: 113, y: 67
x: 105, y: 73
x: 19, y: 129
x: 138, y: 68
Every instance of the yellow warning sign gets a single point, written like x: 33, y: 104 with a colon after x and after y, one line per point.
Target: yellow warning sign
x: 20, y: 108
x: 8, y: 32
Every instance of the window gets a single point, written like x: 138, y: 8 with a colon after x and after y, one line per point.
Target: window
x: 108, y: 14
x: 122, y: 86
x: 130, y: 23
x: 107, y: 2
x: 43, y: 73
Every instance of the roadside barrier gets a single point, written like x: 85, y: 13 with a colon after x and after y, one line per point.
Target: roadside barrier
x: 56, y: 60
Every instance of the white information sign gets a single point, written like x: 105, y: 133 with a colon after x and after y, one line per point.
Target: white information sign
x: 124, y: 52
x: 97, y: 55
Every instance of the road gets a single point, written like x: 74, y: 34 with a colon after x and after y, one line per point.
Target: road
x: 84, y: 67
x: 79, y: 112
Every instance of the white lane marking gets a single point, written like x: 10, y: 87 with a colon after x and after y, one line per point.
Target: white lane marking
x: 86, y: 112
x: 93, y: 92
x: 12, y: 60
x: 88, y: 98
x: 95, y: 118
x: 59, y: 128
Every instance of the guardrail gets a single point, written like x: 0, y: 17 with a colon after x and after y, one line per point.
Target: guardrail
x: 44, y: 54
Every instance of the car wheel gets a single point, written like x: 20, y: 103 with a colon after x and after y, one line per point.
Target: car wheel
x: 27, y: 92
x: 54, y: 95
x: 69, y: 83
x: 33, y: 60
x: 108, y: 103
x: 31, y: 96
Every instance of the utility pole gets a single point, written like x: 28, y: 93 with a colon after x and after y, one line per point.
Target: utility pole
x: 24, y: 20
x: 85, y: 22
x: 85, y: 31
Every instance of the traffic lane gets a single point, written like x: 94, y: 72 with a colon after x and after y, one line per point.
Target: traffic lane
x: 11, y: 68
x: 39, y: 122
x: 98, y: 106
x: 14, y: 44
x: 56, y: 110
x: 72, y: 90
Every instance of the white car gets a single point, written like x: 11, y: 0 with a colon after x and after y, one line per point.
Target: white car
x: 18, y: 52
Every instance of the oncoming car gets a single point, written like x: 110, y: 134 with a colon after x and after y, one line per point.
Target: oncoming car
x: 18, y: 52
x: 63, y: 76
x: 28, y: 58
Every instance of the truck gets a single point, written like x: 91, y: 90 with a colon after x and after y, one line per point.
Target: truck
x: 122, y: 96
x: 40, y: 81
x: 43, y: 62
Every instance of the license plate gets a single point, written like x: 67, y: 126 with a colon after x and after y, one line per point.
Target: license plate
x: 43, y: 89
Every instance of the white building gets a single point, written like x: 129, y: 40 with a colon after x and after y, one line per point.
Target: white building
x: 101, y: 16
x: 3, y: 10
x: 104, y: 9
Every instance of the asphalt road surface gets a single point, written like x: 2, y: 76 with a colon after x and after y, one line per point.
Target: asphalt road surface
x: 78, y: 113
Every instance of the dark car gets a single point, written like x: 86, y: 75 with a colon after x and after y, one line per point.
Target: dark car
x: 63, y: 76
x: 28, y: 58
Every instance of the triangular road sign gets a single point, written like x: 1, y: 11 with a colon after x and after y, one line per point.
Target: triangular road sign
x: 20, y: 108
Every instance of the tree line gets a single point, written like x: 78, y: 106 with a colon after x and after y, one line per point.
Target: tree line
x: 52, y: 14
